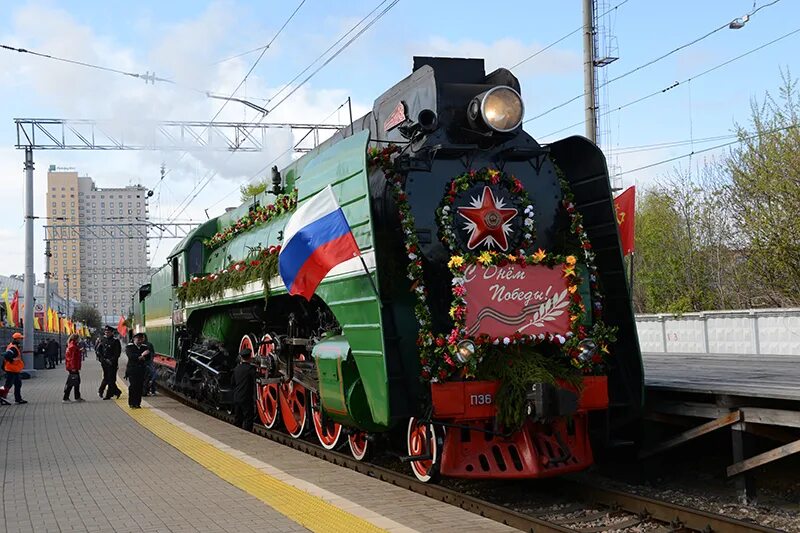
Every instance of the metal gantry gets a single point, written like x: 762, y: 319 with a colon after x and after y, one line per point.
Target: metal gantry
x: 169, y: 135
x: 118, y: 230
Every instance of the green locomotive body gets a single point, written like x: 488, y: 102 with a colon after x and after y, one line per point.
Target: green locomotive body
x: 390, y: 342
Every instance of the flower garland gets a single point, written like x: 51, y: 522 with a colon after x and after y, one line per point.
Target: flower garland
x: 437, y: 351
x: 257, y: 216
x: 462, y: 183
x: 262, y: 264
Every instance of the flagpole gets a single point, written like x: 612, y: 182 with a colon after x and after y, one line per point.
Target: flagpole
x: 371, y: 281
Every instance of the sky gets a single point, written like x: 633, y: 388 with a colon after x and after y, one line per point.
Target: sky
x: 185, y: 40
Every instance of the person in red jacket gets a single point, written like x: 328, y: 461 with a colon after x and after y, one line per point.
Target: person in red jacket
x: 73, y: 366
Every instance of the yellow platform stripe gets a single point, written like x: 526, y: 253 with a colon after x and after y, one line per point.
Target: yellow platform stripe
x: 297, y: 505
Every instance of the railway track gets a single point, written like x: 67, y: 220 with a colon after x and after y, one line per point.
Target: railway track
x: 591, y: 508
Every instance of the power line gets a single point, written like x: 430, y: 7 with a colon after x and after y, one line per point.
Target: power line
x: 570, y: 34
x: 199, y: 188
x: 264, y: 51
x: 331, y: 47
x: 275, y: 159
x: 679, y: 83
x: 644, y: 65
x: 147, y: 77
x: 717, y: 147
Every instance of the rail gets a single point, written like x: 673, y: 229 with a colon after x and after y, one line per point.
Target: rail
x: 640, y: 508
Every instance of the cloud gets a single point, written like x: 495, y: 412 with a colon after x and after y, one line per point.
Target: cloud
x: 185, y: 51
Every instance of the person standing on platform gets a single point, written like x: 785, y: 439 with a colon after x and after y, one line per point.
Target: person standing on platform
x: 244, y: 387
x: 150, y: 378
x: 41, y: 349
x: 138, y: 356
x: 108, y: 352
x: 51, y: 353
x: 13, y: 365
x: 73, y: 360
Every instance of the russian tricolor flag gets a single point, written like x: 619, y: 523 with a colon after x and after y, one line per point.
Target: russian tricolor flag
x: 317, y: 238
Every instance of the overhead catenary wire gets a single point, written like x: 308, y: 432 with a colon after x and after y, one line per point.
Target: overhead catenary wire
x: 335, y: 54
x: 680, y: 83
x: 570, y: 34
x: 244, y: 79
x: 210, y: 176
x: 644, y: 65
x: 717, y: 147
x: 276, y: 158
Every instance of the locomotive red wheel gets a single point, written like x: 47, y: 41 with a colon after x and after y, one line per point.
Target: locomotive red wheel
x: 359, y: 445
x: 267, y: 404
x: 248, y: 342
x: 423, y: 440
x: 294, y: 407
x: 328, y: 432
x: 267, y: 396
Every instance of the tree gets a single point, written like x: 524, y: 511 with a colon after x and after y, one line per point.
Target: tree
x: 89, y: 315
x: 765, y: 193
x: 249, y: 190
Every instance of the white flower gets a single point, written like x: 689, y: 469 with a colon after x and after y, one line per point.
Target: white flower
x: 496, y: 342
x: 412, y: 256
x: 528, y: 222
x: 528, y: 236
x: 434, y: 379
x: 593, y: 277
x: 420, y: 289
x: 561, y: 339
x: 506, y: 341
x: 541, y: 336
x: 446, y: 209
x: 458, y: 281
x: 570, y: 334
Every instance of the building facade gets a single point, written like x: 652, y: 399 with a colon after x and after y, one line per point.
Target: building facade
x: 101, y: 272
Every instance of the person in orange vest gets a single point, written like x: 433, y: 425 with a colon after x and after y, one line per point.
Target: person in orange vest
x: 13, y: 365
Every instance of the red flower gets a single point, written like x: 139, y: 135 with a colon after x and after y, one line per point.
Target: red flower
x: 440, y: 342
x: 426, y: 374
x: 442, y: 374
x: 587, y: 245
x: 255, y: 262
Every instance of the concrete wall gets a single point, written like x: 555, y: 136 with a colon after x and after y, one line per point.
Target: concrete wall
x: 761, y: 331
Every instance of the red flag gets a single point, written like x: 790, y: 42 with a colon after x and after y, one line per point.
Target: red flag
x: 624, y: 205
x: 15, y: 309
x: 121, y: 327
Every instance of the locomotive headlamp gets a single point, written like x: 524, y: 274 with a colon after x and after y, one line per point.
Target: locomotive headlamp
x: 499, y: 108
x: 465, y: 350
x: 588, y: 348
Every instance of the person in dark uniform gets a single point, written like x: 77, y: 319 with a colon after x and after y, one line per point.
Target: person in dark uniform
x: 138, y: 356
x: 51, y: 352
x: 244, y: 388
x: 108, y: 352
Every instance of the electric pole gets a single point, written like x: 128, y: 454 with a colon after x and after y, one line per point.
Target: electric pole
x: 588, y: 71
x: 47, y: 256
x: 69, y: 313
x: 27, y: 326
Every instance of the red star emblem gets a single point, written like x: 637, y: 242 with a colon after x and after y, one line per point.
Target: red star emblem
x: 487, y: 221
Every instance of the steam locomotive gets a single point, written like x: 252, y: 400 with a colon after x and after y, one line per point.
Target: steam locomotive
x: 486, y: 329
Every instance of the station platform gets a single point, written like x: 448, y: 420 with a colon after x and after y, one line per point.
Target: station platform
x: 754, y: 376
x: 98, y: 466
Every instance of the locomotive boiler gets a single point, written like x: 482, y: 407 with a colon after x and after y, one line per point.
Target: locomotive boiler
x: 486, y: 329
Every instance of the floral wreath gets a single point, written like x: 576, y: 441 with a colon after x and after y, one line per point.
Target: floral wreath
x: 445, y: 216
x: 437, y: 351
x: 261, y: 264
x: 258, y: 215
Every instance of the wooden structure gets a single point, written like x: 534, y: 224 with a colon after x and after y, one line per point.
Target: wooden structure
x: 752, y: 395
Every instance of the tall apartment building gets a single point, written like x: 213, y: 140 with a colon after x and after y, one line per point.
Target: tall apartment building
x: 101, y: 272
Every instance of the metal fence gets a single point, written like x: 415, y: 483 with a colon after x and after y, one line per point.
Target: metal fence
x: 761, y: 331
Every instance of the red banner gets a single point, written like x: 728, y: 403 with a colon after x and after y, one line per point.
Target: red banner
x: 624, y: 205
x: 511, y: 299
x: 121, y: 327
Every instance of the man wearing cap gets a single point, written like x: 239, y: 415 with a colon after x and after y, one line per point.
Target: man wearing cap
x: 13, y: 365
x: 138, y: 355
x: 108, y: 352
x: 244, y: 390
